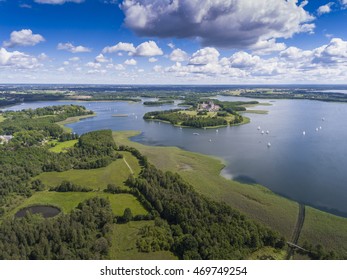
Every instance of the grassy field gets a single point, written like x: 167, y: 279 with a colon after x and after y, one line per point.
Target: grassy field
x: 73, y: 120
x: 98, y: 179
x: 124, y: 243
x: 325, y: 229
x: 2, y: 118
x: 68, y: 201
x: 268, y: 253
x: 203, y: 172
x: 62, y: 146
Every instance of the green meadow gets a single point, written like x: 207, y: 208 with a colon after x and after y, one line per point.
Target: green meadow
x: 124, y: 243
x: 68, y: 201
x: 115, y: 173
x: 61, y: 147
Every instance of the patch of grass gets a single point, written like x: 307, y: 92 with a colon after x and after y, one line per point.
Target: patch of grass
x: 257, y: 202
x: 62, y: 146
x: 264, y: 112
x: 115, y: 173
x: 268, y: 253
x: 325, y: 229
x: 73, y: 120
x: 2, y: 118
x: 68, y: 201
x: 124, y: 243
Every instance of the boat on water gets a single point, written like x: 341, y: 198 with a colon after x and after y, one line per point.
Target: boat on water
x: 267, y: 132
x: 304, y: 133
x: 195, y: 133
x: 268, y: 144
x: 258, y: 128
x: 262, y: 132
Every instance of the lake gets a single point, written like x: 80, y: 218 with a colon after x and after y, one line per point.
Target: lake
x: 308, y: 168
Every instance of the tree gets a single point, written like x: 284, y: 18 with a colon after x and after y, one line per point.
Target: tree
x: 128, y: 215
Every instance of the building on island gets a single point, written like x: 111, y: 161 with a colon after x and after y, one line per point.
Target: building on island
x: 209, y: 106
x: 5, y: 138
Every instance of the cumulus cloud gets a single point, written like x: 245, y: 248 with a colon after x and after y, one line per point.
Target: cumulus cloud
x: 230, y: 23
x: 149, y: 48
x: 152, y: 59
x: 204, y: 56
x: 17, y: 60
x: 267, y: 47
x: 131, y: 62
x: 333, y: 53
x: 74, y: 59
x: 57, y: 2
x: 327, y: 62
x: 178, y: 55
x: 120, y: 47
x: 101, y: 58
x: 94, y: 65
x: 325, y: 9
x: 24, y: 37
x: 71, y: 48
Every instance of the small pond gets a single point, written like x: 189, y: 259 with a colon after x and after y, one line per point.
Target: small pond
x: 45, y: 211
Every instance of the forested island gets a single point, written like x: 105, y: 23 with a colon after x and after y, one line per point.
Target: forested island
x: 204, y: 113
x: 158, y: 103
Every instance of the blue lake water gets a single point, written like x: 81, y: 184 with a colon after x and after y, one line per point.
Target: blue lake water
x: 308, y: 168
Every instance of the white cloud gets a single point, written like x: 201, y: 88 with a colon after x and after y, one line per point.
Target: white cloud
x: 178, y: 55
x: 231, y: 23
x: 333, y: 53
x: 17, y: 60
x: 131, y: 62
x: 101, y: 59
x: 94, y: 65
x: 157, y: 68
x: 243, y: 60
x: 42, y: 56
x: 74, y: 59
x: 267, y: 47
x: 152, y: 59
x: 57, y: 2
x: 71, y: 48
x: 204, y: 56
x: 24, y: 37
x: 325, y: 9
x: 171, y: 45
x: 66, y: 63
x: 149, y: 48
x: 119, y: 67
x: 120, y: 47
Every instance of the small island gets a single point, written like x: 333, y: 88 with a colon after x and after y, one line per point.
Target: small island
x: 204, y: 114
x: 158, y: 103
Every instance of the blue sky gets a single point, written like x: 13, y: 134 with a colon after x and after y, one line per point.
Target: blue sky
x: 173, y: 41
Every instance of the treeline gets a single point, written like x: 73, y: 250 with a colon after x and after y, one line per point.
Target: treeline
x: 158, y: 103
x: 67, y: 186
x: 80, y: 235
x: 198, y: 227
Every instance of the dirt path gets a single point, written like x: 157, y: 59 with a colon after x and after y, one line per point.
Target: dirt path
x: 131, y: 170
x: 298, y: 227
